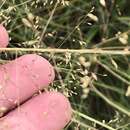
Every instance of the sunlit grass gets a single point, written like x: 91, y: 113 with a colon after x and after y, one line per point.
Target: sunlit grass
x: 98, y: 103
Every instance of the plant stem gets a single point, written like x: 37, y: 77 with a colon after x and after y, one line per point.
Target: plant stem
x: 113, y: 73
x: 110, y: 102
x: 79, y: 51
x: 83, y: 124
x: 93, y: 120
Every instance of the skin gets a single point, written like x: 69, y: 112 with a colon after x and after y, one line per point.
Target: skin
x: 4, y: 37
x: 23, y: 77
x: 20, y: 79
x: 47, y: 111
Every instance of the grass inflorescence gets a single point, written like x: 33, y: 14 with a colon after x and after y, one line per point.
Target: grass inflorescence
x: 87, y: 41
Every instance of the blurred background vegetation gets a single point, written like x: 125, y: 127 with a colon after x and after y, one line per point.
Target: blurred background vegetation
x: 98, y: 85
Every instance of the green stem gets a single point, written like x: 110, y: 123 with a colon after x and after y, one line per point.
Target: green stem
x: 93, y: 120
x: 110, y: 102
x: 83, y: 124
x: 113, y: 73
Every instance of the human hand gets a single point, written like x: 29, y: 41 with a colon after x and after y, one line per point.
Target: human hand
x: 20, y: 79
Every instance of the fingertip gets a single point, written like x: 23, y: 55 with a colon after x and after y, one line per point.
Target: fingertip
x: 4, y: 37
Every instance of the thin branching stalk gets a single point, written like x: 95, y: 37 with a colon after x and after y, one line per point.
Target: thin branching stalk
x: 93, y: 120
x: 79, y: 51
x: 48, y: 21
x: 109, y: 101
x: 110, y: 39
x: 113, y: 73
x: 83, y: 124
